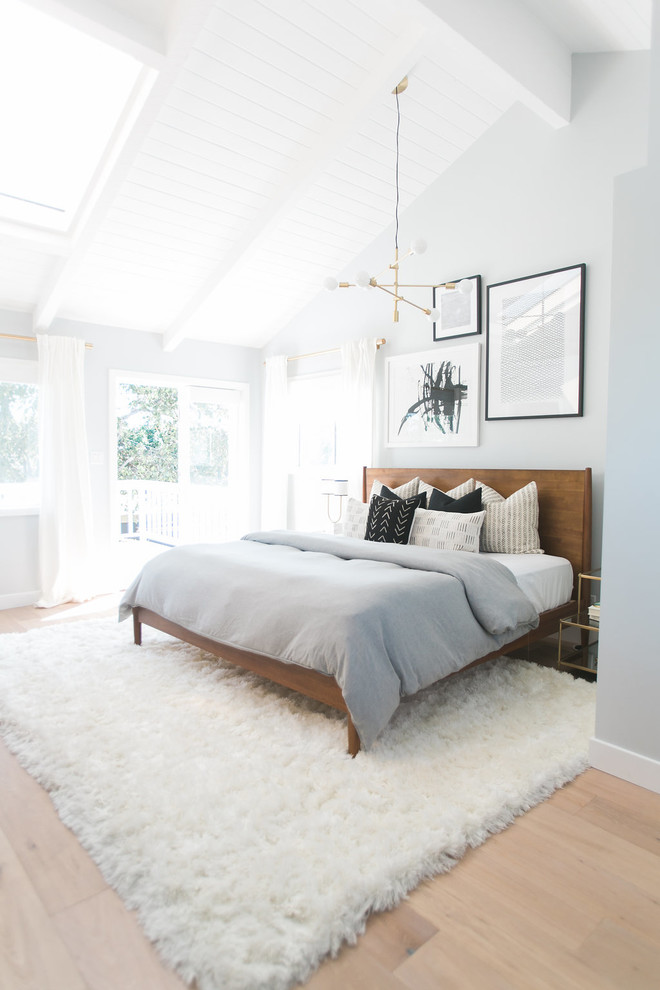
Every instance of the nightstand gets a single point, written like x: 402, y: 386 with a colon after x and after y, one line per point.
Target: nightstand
x: 584, y: 656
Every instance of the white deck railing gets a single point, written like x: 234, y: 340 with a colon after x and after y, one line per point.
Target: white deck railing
x: 167, y: 513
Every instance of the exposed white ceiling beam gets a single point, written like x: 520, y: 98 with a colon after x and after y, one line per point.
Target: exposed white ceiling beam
x: 126, y: 142
x: 49, y: 241
x: 515, y: 44
x: 135, y: 28
x: 391, y: 67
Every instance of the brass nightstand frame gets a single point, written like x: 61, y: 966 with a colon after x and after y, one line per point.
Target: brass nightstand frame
x: 581, y: 620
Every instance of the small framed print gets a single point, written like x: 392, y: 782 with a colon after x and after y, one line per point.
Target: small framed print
x: 459, y: 308
x: 433, y: 398
x: 535, y: 346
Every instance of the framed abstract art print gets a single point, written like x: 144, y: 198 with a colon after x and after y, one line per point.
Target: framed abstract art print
x: 459, y: 312
x: 433, y: 398
x: 535, y: 345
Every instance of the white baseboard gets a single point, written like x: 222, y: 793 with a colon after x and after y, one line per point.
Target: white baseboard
x: 19, y: 599
x: 638, y: 769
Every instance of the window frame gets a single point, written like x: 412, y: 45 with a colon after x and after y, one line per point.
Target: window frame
x: 21, y: 371
x: 116, y: 376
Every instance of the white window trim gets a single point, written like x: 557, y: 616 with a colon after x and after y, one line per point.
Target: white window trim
x: 26, y: 372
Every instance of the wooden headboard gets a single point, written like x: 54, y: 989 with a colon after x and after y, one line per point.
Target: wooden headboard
x: 564, y: 501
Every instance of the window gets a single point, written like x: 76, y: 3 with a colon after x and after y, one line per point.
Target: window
x: 63, y: 95
x: 314, y: 404
x: 181, y: 460
x: 19, y: 435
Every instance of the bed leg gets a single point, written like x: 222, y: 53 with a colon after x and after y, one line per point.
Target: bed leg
x: 353, y: 739
x: 137, y: 629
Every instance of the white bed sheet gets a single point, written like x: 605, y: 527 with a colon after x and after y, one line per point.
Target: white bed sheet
x: 547, y: 581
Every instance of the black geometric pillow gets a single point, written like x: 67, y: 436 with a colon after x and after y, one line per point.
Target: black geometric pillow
x: 388, y: 493
x: 440, y: 502
x: 390, y: 520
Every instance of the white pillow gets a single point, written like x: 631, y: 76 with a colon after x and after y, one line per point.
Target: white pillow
x: 458, y: 492
x: 447, y: 530
x: 354, y: 521
x: 512, y: 524
x: 403, y: 491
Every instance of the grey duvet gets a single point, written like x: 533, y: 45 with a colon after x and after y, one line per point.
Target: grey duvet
x: 384, y: 620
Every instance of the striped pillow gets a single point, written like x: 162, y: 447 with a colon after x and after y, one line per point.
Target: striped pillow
x: 458, y: 492
x: 354, y: 522
x: 447, y: 530
x: 403, y: 491
x: 511, y: 524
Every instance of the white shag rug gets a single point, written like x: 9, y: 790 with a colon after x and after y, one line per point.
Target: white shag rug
x: 226, y: 811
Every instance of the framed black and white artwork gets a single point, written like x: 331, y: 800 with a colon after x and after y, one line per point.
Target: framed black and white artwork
x: 535, y: 345
x: 433, y: 398
x: 459, y: 309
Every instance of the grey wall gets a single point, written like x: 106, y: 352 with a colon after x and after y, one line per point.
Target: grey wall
x: 525, y: 199
x: 627, y: 740
x: 123, y: 350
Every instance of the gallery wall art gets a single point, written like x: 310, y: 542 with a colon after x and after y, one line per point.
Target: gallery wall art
x: 535, y: 345
x: 459, y: 311
x: 433, y: 398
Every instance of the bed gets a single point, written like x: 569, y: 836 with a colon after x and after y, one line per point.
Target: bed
x: 361, y: 599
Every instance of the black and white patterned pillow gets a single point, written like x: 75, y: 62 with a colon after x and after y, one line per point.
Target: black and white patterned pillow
x: 447, y: 530
x: 354, y: 521
x: 403, y: 491
x: 511, y: 524
x: 386, y: 492
x: 390, y: 519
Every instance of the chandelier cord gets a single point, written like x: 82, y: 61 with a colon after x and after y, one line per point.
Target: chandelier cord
x: 396, y: 172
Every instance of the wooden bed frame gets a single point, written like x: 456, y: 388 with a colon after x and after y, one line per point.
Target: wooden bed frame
x: 565, y: 531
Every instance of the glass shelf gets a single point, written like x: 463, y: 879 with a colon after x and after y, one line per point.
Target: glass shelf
x: 582, y: 620
x: 582, y: 656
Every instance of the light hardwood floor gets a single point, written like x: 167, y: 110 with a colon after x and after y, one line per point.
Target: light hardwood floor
x: 567, y: 898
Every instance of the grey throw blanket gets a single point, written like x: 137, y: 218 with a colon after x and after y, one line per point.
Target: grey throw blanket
x: 384, y: 620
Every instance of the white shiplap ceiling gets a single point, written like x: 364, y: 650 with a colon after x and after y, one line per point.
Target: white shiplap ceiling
x: 257, y: 154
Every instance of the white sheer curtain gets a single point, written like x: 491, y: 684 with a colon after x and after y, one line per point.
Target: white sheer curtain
x: 275, y: 469
x: 65, y: 519
x: 358, y: 364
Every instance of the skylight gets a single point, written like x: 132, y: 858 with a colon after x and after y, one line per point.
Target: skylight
x: 62, y: 95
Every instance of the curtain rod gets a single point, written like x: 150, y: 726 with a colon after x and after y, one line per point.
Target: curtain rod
x: 18, y: 336
x: 331, y: 350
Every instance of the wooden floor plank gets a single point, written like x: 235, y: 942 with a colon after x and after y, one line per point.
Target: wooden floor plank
x: 606, y: 850
x: 623, y: 956
x: 49, y: 852
x: 353, y: 969
x: 573, y: 798
x: 498, y: 956
x: 32, y: 955
x: 443, y: 966
x: 393, y: 936
x: 8, y: 623
x: 597, y: 783
x: 510, y: 898
x: 641, y: 826
x: 110, y: 948
x: 565, y: 875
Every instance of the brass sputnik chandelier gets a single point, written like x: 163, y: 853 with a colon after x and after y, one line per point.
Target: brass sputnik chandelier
x: 365, y: 281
